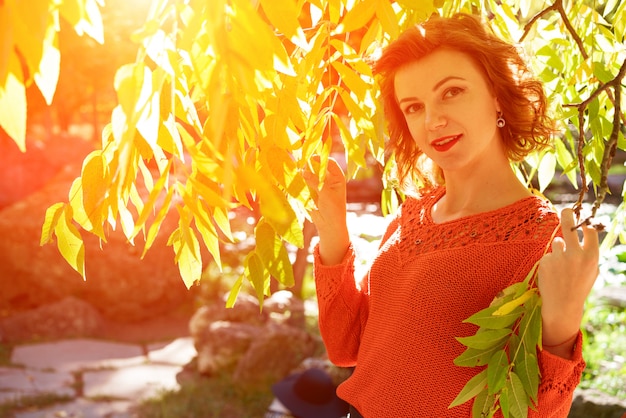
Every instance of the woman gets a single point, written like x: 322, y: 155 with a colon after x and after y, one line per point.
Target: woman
x: 460, y: 101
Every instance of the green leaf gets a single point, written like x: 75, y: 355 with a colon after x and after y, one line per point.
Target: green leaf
x: 486, y: 319
x: 505, y: 403
x: 485, y: 338
x: 518, y: 402
x: 472, y: 388
x: 497, y: 371
x: 526, y: 367
x: 547, y: 167
x: 473, y: 357
x: 484, y: 405
x: 530, y: 324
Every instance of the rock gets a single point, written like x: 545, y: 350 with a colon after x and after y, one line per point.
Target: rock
x: 284, y: 307
x: 224, y: 343
x: 121, y: 285
x: 274, y: 353
x: 613, y: 296
x: 69, y: 317
x: 245, y: 310
x: 254, y: 346
x: 593, y: 403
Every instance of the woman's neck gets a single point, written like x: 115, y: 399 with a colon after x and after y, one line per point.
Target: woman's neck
x: 470, y: 195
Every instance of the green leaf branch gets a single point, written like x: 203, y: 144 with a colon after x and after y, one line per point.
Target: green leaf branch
x: 505, y: 345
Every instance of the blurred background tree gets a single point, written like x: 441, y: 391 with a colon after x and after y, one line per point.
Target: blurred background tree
x: 218, y: 105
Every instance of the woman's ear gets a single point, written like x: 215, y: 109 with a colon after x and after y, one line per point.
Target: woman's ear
x: 497, y: 104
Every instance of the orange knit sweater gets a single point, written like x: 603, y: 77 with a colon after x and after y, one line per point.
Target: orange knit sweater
x: 398, y: 324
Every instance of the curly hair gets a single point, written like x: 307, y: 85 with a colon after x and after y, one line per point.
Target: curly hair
x: 521, y: 97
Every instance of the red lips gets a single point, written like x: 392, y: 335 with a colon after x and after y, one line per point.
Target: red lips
x: 445, y: 143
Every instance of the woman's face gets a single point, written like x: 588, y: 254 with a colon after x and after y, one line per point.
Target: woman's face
x: 450, y: 110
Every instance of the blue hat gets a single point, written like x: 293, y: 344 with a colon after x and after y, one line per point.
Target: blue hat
x: 310, y: 394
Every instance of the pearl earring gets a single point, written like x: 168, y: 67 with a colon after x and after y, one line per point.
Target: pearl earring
x: 500, y: 122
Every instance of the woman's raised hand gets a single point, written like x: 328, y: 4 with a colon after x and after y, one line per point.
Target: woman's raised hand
x: 566, y: 276
x: 329, y: 216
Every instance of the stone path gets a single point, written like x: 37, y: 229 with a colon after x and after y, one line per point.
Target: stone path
x: 92, y: 378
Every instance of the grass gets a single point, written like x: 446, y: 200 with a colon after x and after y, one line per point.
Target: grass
x: 604, y: 327
x: 209, y: 397
x: 31, y: 403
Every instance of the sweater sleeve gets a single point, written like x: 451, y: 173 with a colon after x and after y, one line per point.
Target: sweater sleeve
x: 559, y: 378
x: 342, y: 308
x: 343, y: 304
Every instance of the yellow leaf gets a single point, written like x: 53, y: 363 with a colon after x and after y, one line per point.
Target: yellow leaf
x: 509, y: 306
x: 209, y: 192
x: 76, y: 201
x: 52, y: 217
x: 149, y: 206
x: 207, y: 231
x: 13, y: 103
x: 387, y: 17
x: 188, y: 257
x: 169, y: 138
x: 69, y: 242
x: 6, y: 40
x: 47, y: 76
x: 273, y: 253
x: 72, y: 11
x: 31, y: 22
x: 220, y: 216
x: 256, y: 274
x: 234, y: 291
x: 283, y: 15
x: 91, y: 21
x: 249, y: 33
x: 127, y: 221
x: 158, y: 220
x: 351, y: 79
x: 130, y: 86
x: 95, y: 184
x: 359, y: 16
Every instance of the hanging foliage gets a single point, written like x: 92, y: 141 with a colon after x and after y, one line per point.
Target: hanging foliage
x: 229, y: 99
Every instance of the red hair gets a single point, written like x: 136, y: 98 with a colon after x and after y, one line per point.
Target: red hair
x: 521, y: 97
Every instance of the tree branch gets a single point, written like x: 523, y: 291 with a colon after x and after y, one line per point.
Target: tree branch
x: 610, y: 146
x: 570, y: 28
x: 535, y: 18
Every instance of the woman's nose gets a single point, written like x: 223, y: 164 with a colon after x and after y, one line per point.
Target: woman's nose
x: 435, y: 119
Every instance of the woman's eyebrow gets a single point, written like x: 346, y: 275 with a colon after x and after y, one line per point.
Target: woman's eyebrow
x: 445, y: 79
x: 435, y: 87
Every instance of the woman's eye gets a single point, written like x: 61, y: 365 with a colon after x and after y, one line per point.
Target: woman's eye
x: 452, y: 91
x: 413, y: 108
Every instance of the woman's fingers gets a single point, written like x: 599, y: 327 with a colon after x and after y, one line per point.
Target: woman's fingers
x: 591, y: 241
x: 568, y: 229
